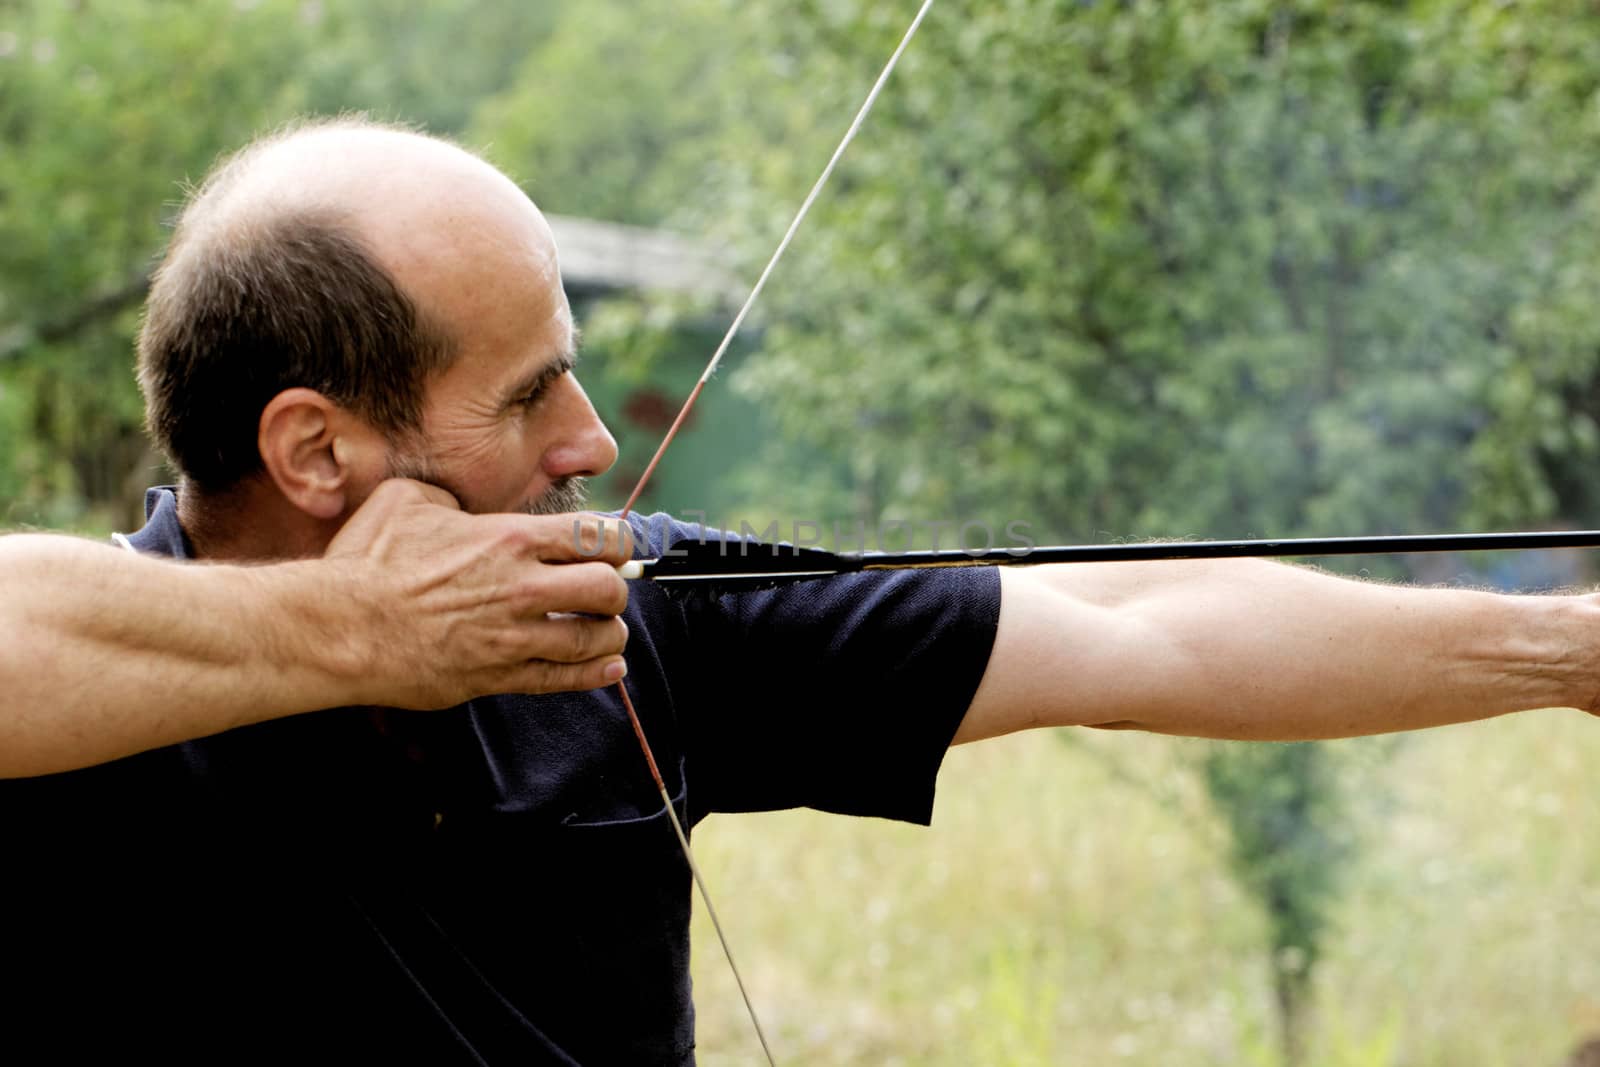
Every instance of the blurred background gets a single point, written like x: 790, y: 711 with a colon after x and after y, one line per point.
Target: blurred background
x: 1113, y: 269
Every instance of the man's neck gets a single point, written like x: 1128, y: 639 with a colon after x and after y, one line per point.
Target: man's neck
x: 248, y: 523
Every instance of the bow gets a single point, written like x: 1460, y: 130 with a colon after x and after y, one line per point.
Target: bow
x: 672, y: 431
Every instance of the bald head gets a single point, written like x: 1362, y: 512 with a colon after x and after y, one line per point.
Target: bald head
x: 426, y: 209
x: 345, y: 257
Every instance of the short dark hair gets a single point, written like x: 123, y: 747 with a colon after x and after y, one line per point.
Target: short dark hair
x: 248, y: 304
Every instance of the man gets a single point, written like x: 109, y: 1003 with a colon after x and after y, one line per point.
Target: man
x: 496, y: 883
x: 414, y: 605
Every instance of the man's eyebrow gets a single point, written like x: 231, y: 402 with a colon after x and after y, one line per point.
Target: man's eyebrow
x: 539, y: 380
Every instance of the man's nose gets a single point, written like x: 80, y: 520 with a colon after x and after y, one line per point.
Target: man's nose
x: 585, y: 447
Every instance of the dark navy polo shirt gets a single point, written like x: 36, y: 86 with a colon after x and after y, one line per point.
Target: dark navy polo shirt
x: 493, y: 884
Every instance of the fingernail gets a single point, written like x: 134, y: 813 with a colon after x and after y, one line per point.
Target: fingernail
x: 616, y: 670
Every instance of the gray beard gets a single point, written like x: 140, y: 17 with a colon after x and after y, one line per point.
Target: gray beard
x: 564, y: 495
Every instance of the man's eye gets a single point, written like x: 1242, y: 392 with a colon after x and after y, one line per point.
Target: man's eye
x: 540, y: 390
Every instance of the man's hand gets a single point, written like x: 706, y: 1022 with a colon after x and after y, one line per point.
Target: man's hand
x: 455, y: 605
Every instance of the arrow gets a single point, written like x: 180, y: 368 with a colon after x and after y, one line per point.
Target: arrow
x: 721, y: 566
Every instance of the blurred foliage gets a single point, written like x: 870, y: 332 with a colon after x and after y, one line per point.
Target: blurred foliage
x: 1215, y: 268
x: 621, y: 113
x: 1118, y: 269
x: 105, y: 108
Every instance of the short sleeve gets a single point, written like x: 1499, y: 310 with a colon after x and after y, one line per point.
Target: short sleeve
x: 840, y: 694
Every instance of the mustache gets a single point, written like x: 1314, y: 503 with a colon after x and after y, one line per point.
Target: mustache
x: 566, y: 494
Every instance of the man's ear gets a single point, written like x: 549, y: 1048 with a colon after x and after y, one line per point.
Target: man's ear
x: 321, y: 457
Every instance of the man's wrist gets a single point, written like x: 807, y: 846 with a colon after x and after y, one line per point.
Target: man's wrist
x: 1543, y: 651
x: 318, y: 633
x: 1579, y: 622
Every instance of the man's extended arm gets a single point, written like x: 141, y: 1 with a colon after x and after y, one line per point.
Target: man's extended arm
x: 1243, y: 649
x: 104, y: 653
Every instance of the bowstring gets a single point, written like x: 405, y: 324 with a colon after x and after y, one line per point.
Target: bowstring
x: 672, y: 431
x: 783, y: 246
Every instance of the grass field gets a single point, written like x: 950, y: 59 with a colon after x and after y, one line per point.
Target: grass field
x: 1070, y: 906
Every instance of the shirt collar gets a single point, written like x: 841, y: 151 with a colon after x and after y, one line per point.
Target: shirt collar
x: 161, y: 534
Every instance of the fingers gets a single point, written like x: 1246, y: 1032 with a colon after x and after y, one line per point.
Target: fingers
x: 407, y: 490
x: 463, y: 605
x: 543, y: 677
x: 569, y: 654
x: 577, y: 537
x: 393, y: 494
x: 574, y: 538
x: 414, y: 513
x: 570, y: 639
x: 569, y: 588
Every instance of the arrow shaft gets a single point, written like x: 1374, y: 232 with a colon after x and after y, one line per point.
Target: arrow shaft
x: 757, y: 565
x: 1305, y: 547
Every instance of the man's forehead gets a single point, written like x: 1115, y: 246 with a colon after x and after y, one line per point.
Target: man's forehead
x: 507, y: 345
x: 413, y: 199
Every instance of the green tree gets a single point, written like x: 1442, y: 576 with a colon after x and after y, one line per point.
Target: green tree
x: 105, y: 107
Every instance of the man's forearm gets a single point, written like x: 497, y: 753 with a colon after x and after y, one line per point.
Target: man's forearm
x: 106, y: 653
x: 1252, y: 650
x: 1289, y: 653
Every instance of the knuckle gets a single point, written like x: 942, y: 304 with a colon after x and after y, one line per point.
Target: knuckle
x: 581, y: 638
x: 610, y: 637
x: 566, y: 537
x: 507, y: 645
x: 591, y: 588
x: 616, y: 539
x: 611, y: 592
x: 547, y: 677
x: 517, y: 538
x: 530, y: 590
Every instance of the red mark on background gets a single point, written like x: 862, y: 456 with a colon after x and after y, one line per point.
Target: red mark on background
x: 652, y: 409
x: 627, y: 474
